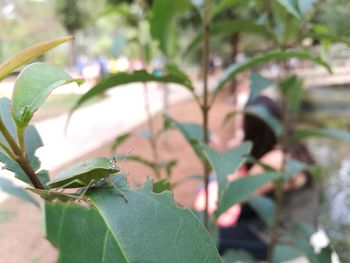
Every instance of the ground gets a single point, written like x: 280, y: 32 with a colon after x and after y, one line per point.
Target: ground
x: 21, y: 229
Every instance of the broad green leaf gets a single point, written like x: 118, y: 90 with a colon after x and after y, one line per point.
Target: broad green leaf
x: 161, y: 186
x: 228, y: 28
x: 162, y: 21
x: 28, y: 54
x: 193, y: 134
x: 120, y: 79
x: 7, y: 186
x: 33, y: 86
x: 241, y: 189
x: 257, y: 84
x: 232, y: 71
x: 262, y: 113
x: 292, y: 7
x: 233, y: 256
x: 226, y: 163
x: 149, y: 228
x: 264, y: 207
x: 120, y: 140
x: 284, y: 253
x: 304, y: 133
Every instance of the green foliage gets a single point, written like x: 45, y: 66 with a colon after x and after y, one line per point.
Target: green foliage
x: 32, y: 88
x: 238, y: 256
x: 8, y: 187
x: 150, y: 228
x: 241, y: 189
x: 71, y: 14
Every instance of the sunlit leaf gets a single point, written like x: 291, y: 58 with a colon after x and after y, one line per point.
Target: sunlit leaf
x: 150, y: 227
x: 33, y: 86
x: 28, y: 54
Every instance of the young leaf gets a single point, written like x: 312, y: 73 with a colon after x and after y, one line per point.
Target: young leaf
x: 29, y: 54
x: 161, y: 186
x: 33, y: 86
x: 239, y: 190
x: 120, y: 79
x: 227, y: 162
x: 235, y: 69
x: 149, y: 228
x: 8, y: 187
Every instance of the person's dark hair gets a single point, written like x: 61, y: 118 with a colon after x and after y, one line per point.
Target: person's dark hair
x: 257, y: 131
x: 262, y: 136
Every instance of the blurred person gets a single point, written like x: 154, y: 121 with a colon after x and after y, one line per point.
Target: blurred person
x: 240, y: 227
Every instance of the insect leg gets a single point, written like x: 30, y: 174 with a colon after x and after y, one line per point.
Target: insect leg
x: 118, y: 189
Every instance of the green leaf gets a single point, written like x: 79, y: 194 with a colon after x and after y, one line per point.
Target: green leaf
x: 227, y: 162
x: 262, y: 113
x: 120, y: 79
x: 32, y: 142
x: 292, y: 168
x: 292, y: 7
x: 176, y: 71
x: 257, y: 84
x: 284, y: 253
x: 120, y: 140
x: 304, y: 133
x: 5, y: 113
x: 326, y: 36
x: 14, y: 167
x: 149, y: 228
x: 306, y: 6
x: 237, y: 255
x: 228, y: 28
x: 162, y: 21
x: 223, y: 5
x: 292, y: 90
x: 161, y: 186
x: 232, y: 71
x: 264, y: 207
x: 193, y: 134
x: 29, y: 54
x: 33, y: 86
x: 239, y: 190
x: 8, y: 187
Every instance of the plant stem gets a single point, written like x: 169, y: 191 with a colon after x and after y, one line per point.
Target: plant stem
x: 205, y: 106
x: 285, y: 142
x: 19, y: 155
x: 152, y: 138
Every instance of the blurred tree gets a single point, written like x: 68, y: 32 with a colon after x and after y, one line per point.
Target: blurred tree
x: 73, y: 17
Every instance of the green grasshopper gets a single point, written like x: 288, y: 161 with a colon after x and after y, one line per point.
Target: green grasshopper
x: 87, y: 174
x: 53, y: 195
